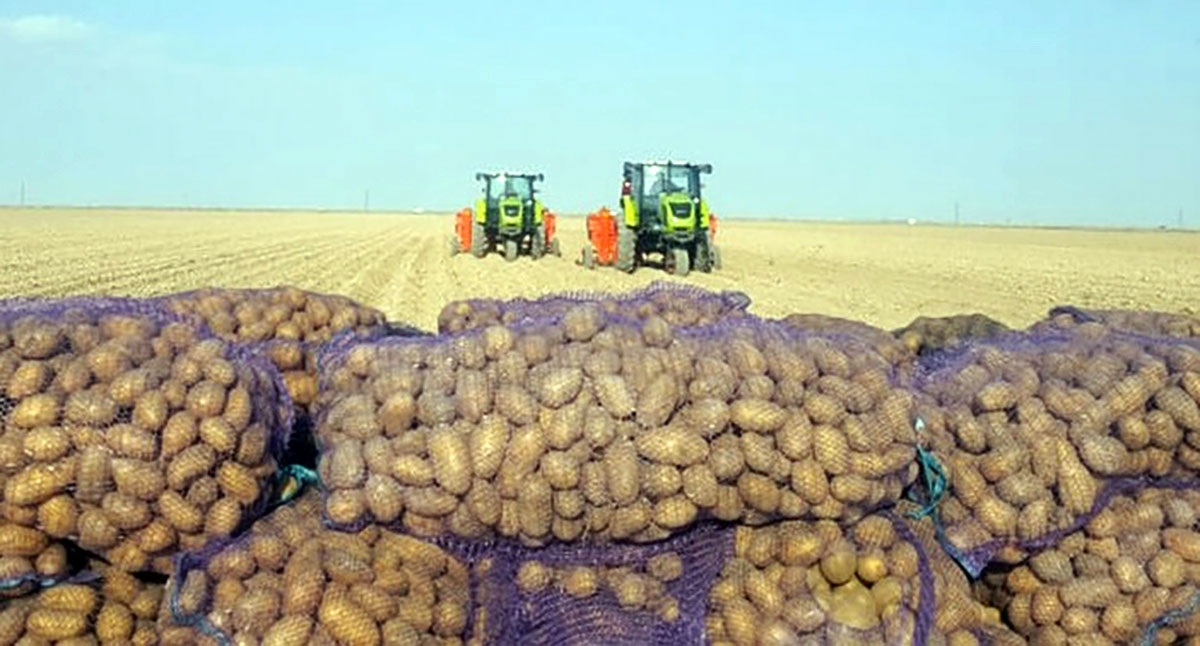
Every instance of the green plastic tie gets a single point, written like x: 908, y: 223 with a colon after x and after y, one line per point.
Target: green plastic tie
x: 293, y: 480
x: 936, y: 481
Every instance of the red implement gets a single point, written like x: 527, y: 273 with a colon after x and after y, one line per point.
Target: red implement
x: 462, y: 229
x: 602, y: 232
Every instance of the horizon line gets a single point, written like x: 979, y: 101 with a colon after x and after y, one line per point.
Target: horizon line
x: 898, y: 221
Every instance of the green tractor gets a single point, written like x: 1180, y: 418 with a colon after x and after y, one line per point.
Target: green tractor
x: 663, y: 212
x: 509, y: 218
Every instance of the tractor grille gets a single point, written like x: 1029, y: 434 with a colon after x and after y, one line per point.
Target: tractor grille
x: 512, y: 210
x: 681, y: 210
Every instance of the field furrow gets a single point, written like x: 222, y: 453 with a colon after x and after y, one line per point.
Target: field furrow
x: 882, y: 274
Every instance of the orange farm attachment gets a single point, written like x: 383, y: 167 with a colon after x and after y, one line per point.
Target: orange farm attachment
x: 462, y: 229
x: 602, y: 233
x: 551, y: 222
x: 712, y: 225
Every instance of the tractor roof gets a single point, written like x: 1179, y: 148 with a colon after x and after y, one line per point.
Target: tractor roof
x: 535, y: 176
x: 704, y: 168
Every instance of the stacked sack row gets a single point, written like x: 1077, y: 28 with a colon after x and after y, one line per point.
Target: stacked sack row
x: 659, y: 467
x: 642, y: 473
x: 133, y: 431
x: 1072, y: 459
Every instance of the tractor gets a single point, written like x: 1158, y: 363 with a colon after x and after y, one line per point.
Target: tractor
x: 662, y: 212
x: 508, y: 218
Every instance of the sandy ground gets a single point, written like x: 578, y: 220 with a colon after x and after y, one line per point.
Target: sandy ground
x: 882, y: 274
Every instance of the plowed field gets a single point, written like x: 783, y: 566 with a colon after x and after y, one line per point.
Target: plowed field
x: 881, y: 274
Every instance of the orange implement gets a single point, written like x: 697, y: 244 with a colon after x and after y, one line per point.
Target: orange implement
x: 551, y: 222
x: 462, y: 229
x: 602, y: 232
x: 712, y: 225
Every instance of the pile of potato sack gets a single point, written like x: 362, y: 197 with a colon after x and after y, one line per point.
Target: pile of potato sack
x: 657, y: 467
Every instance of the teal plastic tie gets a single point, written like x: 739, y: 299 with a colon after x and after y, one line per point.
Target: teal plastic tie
x: 293, y: 480
x: 1168, y: 618
x: 934, y: 475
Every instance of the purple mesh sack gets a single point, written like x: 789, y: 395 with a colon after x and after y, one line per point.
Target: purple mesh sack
x: 882, y: 580
x: 289, y: 580
x: 286, y: 325
x: 1032, y: 426
x: 1121, y: 578
x: 128, y: 431
x: 595, y: 428
x: 643, y: 595
x: 1065, y: 317
x: 888, y: 346
x: 926, y: 335
x: 109, y: 607
x: 677, y: 303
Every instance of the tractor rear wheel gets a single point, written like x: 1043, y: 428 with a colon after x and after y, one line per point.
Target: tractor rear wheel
x: 510, y: 249
x: 537, y: 246
x: 626, y: 248
x: 479, y: 241
x: 589, y: 257
x: 715, y: 252
x: 454, y: 246
x: 677, y: 261
x: 555, y: 249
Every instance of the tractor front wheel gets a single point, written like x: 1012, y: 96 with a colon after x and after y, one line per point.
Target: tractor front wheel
x: 626, y: 248
x: 510, y: 249
x: 479, y: 241
x: 677, y: 261
x: 537, y: 246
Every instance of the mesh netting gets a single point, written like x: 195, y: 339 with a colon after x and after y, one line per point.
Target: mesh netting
x: 286, y: 325
x: 44, y: 562
x: 882, y: 580
x: 1128, y: 576
x: 1032, y: 427
x: 289, y: 580
x: 887, y: 345
x: 1184, y: 325
x: 280, y: 313
x: 129, y: 432
x: 114, y: 608
x: 618, y: 594
x: 676, y: 303
x: 926, y: 335
x: 595, y: 429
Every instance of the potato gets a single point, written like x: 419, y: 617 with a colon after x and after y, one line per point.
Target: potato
x: 451, y: 461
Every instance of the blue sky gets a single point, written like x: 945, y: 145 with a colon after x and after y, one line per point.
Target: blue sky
x: 1067, y: 112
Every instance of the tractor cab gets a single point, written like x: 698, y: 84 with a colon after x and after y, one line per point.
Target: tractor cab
x: 664, y: 197
x: 508, y: 217
x: 509, y: 204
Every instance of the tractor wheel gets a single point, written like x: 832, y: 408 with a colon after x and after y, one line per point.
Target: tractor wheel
x: 537, y: 246
x: 677, y: 261
x: 715, y: 252
x: 454, y: 246
x: 589, y: 257
x: 702, y: 258
x: 479, y: 241
x: 555, y: 249
x: 626, y: 248
x: 510, y: 249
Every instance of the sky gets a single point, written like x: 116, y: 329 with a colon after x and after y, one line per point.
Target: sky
x: 1073, y: 112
